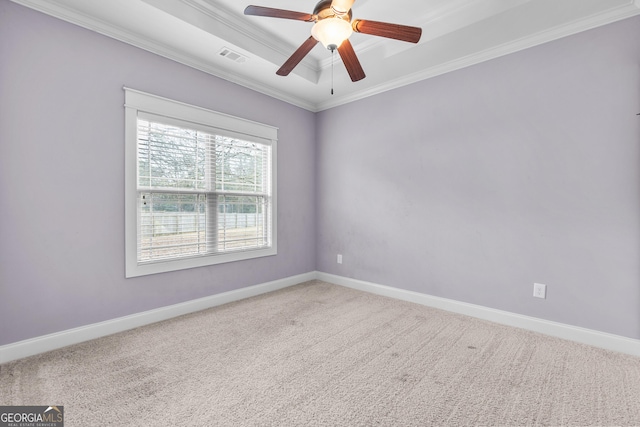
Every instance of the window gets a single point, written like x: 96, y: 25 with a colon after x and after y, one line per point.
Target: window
x: 200, y: 186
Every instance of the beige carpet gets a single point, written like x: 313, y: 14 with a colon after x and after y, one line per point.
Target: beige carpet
x: 323, y: 355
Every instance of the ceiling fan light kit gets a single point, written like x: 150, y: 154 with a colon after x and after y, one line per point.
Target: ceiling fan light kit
x: 333, y: 27
x: 331, y: 32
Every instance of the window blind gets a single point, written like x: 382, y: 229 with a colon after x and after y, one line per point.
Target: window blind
x: 200, y: 192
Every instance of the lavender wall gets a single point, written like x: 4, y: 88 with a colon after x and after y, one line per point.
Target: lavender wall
x: 476, y: 184
x: 62, y: 177
x: 470, y: 186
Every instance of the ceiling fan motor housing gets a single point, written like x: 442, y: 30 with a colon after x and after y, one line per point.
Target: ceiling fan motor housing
x: 323, y: 10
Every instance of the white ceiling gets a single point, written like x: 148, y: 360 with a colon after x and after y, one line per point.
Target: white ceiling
x: 456, y: 34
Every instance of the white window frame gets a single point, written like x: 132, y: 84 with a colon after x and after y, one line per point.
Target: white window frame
x: 140, y: 102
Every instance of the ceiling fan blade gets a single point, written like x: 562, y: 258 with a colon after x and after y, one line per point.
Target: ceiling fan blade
x: 297, y: 56
x: 278, y: 13
x: 350, y: 60
x: 391, y: 31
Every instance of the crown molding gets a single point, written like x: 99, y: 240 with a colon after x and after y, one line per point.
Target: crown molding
x: 49, y: 7
x: 144, y: 43
x: 618, y: 14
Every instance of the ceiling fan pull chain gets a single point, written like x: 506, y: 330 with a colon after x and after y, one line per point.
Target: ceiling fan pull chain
x: 333, y: 57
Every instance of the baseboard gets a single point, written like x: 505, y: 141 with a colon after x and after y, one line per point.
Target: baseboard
x: 582, y: 335
x: 57, y: 340
x: 61, y: 339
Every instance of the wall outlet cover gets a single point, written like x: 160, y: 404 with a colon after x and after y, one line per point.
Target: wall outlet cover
x: 540, y: 290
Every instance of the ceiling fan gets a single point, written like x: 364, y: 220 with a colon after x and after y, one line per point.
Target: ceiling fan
x: 333, y: 26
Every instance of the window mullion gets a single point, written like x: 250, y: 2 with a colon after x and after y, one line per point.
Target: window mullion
x: 211, y: 216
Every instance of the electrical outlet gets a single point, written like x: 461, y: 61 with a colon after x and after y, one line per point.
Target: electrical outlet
x: 339, y: 259
x: 540, y: 290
